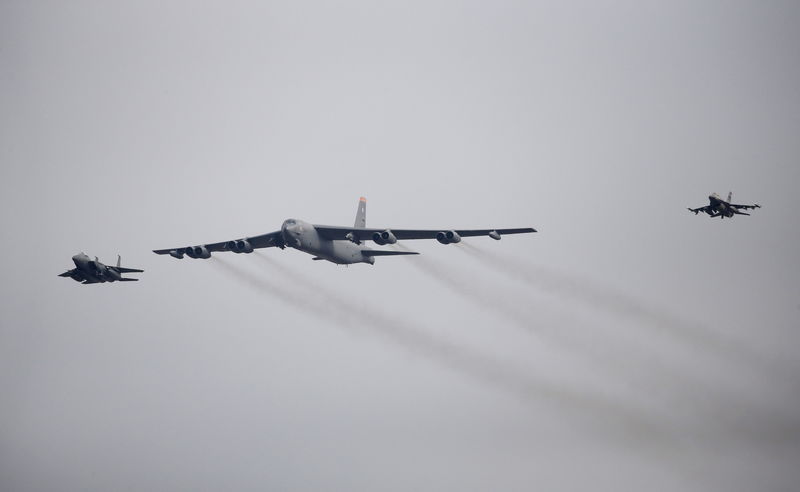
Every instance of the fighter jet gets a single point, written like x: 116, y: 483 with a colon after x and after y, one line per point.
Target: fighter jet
x: 90, y: 271
x: 338, y: 244
x: 718, y: 207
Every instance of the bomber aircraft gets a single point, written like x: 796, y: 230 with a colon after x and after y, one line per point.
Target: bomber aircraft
x: 338, y: 244
x: 88, y: 271
x: 718, y: 207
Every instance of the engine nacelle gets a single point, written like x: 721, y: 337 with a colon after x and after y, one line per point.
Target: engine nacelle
x: 240, y: 246
x: 176, y: 254
x: 385, y: 237
x: 388, y: 237
x: 447, y: 237
x: 198, y: 252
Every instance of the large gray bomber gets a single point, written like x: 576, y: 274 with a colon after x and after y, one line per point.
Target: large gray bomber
x: 337, y: 244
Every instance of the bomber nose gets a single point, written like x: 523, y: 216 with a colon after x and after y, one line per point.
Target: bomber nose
x: 289, y: 231
x: 289, y: 226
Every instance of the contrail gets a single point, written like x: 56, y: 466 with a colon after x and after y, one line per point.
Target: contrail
x: 605, y: 299
x: 664, y: 440
x: 627, y: 367
x: 691, y: 395
x: 500, y: 375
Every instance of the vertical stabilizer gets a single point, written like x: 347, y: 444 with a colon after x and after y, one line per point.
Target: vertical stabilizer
x: 730, y: 196
x: 361, y: 214
x: 119, y: 261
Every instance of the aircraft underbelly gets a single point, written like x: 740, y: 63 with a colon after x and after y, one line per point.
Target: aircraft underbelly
x: 339, y: 252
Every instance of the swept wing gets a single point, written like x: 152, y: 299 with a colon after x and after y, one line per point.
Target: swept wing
x: 269, y: 240
x: 746, y: 207
x: 363, y: 233
x: 707, y: 209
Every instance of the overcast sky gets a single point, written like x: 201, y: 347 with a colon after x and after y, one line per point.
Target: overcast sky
x: 629, y: 344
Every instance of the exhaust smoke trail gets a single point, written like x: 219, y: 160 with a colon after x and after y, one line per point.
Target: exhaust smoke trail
x: 603, y: 299
x: 467, y: 362
x: 667, y: 444
x: 634, y: 371
x: 665, y: 440
x: 692, y: 395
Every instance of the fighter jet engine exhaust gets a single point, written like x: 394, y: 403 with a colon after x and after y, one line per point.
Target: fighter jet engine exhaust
x: 448, y: 237
x: 383, y: 238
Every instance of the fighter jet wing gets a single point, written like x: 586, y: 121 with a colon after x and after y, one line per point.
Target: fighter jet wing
x: 74, y: 274
x: 263, y: 241
x: 706, y: 209
x: 363, y: 234
x: 746, y: 207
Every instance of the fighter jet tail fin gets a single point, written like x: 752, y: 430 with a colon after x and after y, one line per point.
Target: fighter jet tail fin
x: 119, y: 268
x: 730, y: 196
x: 361, y: 213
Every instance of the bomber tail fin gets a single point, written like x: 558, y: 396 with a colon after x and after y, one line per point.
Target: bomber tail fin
x: 361, y: 214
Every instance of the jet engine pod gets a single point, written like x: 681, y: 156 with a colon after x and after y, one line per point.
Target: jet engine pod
x: 176, y: 254
x: 447, y: 237
x: 240, y: 246
x: 378, y: 238
x: 388, y: 237
x: 198, y: 252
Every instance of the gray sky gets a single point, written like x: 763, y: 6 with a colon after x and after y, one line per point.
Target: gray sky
x: 628, y: 344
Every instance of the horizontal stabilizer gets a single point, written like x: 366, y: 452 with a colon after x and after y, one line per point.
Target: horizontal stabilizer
x: 124, y: 279
x: 375, y: 252
x: 128, y: 270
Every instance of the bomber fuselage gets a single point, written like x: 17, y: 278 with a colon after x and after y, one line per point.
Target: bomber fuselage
x: 304, y: 237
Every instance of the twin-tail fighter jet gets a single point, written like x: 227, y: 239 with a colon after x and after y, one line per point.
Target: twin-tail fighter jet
x: 88, y: 271
x: 718, y: 207
x: 338, y: 244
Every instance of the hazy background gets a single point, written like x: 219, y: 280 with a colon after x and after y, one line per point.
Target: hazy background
x: 629, y: 344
